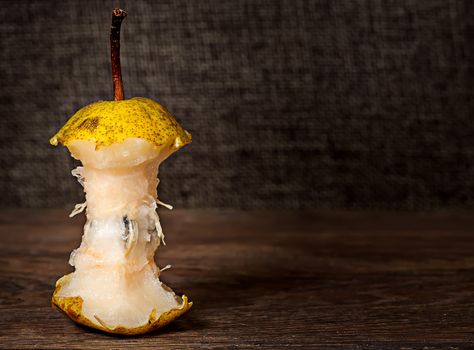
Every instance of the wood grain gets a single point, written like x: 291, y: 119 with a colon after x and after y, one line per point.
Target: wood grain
x: 268, y: 279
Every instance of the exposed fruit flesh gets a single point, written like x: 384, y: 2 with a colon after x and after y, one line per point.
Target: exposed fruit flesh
x: 116, y: 277
x: 120, y: 177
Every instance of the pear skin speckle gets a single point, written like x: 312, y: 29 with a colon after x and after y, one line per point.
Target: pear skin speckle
x: 107, y: 122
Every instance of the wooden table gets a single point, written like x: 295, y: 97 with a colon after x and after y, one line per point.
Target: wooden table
x: 272, y: 280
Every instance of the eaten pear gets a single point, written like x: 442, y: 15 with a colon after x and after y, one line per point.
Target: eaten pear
x: 115, y: 286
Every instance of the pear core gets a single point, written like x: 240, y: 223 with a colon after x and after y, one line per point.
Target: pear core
x: 116, y: 285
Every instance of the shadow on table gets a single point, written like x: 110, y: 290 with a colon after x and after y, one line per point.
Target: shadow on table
x: 183, y: 324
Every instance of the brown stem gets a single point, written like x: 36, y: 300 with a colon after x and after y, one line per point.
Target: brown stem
x: 117, y: 17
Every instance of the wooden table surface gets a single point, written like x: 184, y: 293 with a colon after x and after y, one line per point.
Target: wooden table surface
x: 272, y: 280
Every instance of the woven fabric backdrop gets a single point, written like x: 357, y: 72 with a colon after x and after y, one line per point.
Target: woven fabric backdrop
x: 291, y: 104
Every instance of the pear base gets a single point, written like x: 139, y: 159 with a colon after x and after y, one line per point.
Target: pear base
x: 72, y: 307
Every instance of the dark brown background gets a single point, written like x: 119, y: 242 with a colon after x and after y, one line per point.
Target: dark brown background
x: 291, y: 104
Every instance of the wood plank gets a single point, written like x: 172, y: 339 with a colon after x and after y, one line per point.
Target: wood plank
x: 263, y: 279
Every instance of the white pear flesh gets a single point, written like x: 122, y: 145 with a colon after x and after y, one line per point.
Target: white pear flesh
x: 115, y: 273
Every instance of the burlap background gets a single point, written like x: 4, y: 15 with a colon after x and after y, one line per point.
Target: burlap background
x: 291, y: 103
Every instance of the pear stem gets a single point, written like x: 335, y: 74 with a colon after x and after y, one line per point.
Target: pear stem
x: 117, y: 17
